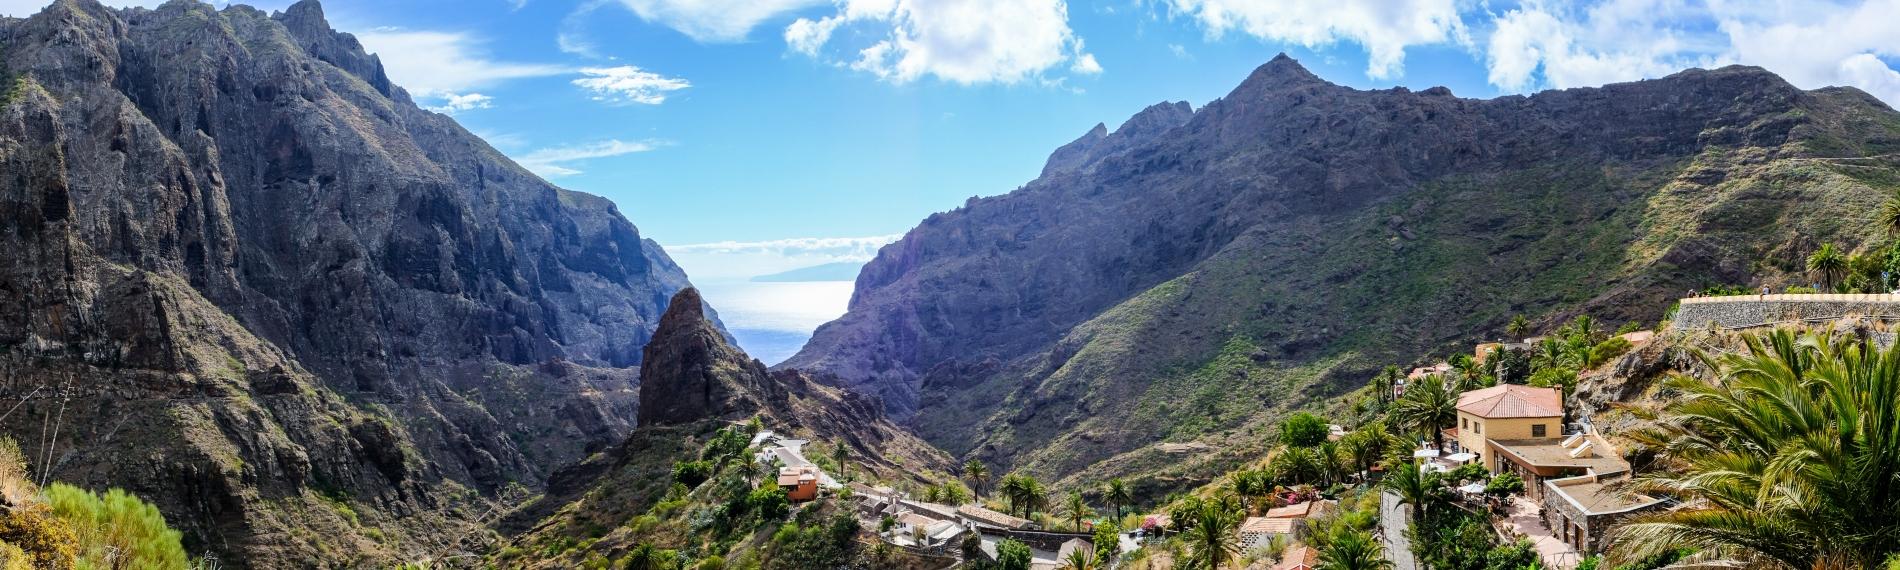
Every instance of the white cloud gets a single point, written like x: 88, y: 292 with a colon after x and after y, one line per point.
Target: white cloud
x: 455, y: 103
x: 556, y: 162
x: 628, y: 84
x: 1811, y: 44
x: 1385, y: 28
x: 714, y: 20
x: 829, y: 249
x: 961, y: 41
x: 435, y: 63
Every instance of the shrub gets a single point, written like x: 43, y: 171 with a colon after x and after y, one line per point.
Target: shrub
x: 1303, y: 430
x: 1505, y: 484
x: 1608, y: 349
x: 12, y: 558
x: 1012, y: 555
x: 48, y: 540
x: 769, y: 502
x: 692, y: 473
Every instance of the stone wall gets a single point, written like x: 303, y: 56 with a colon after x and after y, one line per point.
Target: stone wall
x: 1749, y: 311
x: 1394, y: 518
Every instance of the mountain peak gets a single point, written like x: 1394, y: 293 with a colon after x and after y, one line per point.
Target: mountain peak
x: 1280, y: 72
x: 688, y: 372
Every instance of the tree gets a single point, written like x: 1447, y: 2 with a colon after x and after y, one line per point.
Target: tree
x: 977, y: 473
x: 769, y: 502
x: 1364, y: 446
x: 1211, y: 534
x: 1519, y: 327
x: 1889, y: 217
x: 1081, y: 559
x: 1789, y: 455
x: 1012, y: 554
x: 1303, y: 430
x: 1118, y: 495
x: 1383, y: 383
x: 1251, y: 485
x: 952, y: 493
x: 642, y: 557
x: 1428, y: 407
x: 1077, y: 510
x: 1296, y: 465
x: 1353, y: 550
x: 1024, y: 493
x: 838, y: 454
x: 1416, y: 487
x: 1828, y: 265
x: 1108, y: 543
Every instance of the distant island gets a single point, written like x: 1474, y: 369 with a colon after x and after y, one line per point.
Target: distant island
x: 838, y: 271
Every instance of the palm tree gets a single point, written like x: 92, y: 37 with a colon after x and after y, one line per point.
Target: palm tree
x: 1383, y: 382
x: 838, y: 455
x: 977, y: 474
x: 1787, y: 458
x: 1014, y: 489
x: 1211, y: 534
x: 1118, y: 495
x: 642, y: 557
x: 1332, y: 463
x: 1296, y: 464
x: 1082, y: 559
x: 1416, y: 487
x: 1251, y: 485
x: 1077, y: 510
x: 1428, y: 406
x: 1552, y: 352
x: 1353, y: 550
x: 1363, y: 447
x: 1890, y: 215
x: 1035, y: 496
x: 1827, y: 264
x: 1518, y: 328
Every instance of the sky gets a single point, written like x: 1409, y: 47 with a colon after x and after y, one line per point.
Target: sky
x: 792, y: 123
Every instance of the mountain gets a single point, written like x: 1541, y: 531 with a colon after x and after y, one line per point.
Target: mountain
x: 694, y: 384
x: 1193, y: 275
x: 839, y: 271
x: 249, y: 279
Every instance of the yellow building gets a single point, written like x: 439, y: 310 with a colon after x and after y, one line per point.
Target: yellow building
x: 1506, y: 412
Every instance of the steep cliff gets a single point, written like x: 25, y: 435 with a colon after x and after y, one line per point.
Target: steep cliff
x: 248, y: 278
x: 1289, y: 238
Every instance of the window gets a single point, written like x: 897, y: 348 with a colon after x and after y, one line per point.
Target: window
x: 1537, y: 430
x: 1477, y: 427
x: 1464, y: 423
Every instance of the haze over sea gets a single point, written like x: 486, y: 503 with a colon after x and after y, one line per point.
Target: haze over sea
x: 771, y: 295
x: 772, y: 320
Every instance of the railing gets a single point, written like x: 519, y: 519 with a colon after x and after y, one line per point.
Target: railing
x: 1800, y: 297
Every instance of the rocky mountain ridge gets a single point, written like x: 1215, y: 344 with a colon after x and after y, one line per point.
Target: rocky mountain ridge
x: 1283, y: 242
x: 250, y: 280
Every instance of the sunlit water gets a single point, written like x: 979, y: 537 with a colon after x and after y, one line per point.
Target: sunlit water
x: 773, y: 320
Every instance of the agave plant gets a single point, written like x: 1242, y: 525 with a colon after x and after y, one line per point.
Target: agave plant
x: 1791, y: 457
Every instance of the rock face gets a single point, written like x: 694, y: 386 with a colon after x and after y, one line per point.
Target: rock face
x: 1205, y: 273
x: 248, y: 278
x: 690, y: 373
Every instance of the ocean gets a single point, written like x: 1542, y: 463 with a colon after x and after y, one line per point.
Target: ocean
x: 773, y: 320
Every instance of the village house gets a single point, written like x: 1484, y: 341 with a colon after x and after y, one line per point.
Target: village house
x: 1300, y: 557
x: 800, y: 483
x: 1504, y: 412
x: 1256, y: 532
x: 982, y: 517
x: 1579, y: 510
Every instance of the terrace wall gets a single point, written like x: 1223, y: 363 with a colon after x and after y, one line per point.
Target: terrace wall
x: 1750, y: 311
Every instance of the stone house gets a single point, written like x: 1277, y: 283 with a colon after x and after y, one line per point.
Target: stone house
x: 1579, y: 510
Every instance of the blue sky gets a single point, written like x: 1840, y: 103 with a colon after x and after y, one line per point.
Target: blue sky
x: 772, y: 123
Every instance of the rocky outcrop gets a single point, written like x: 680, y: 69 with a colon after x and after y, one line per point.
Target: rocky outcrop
x: 250, y: 280
x: 1292, y: 237
x: 690, y: 373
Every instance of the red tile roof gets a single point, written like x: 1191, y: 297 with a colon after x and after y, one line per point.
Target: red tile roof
x: 1298, y: 558
x: 1512, y: 401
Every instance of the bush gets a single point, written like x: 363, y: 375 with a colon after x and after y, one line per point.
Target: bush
x: 1506, y: 483
x: 1608, y: 349
x: 692, y: 473
x: 1012, y: 555
x: 769, y: 502
x: 1303, y: 430
x: 48, y: 540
